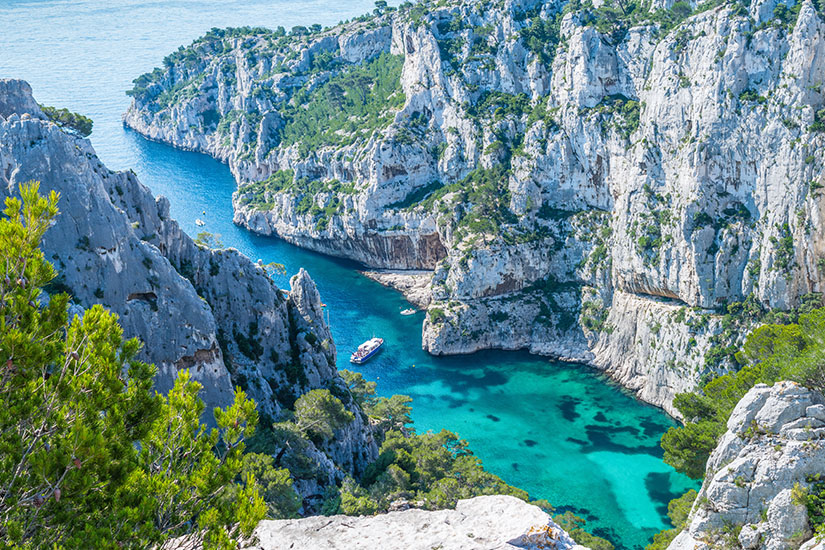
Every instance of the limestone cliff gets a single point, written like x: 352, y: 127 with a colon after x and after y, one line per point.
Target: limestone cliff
x: 213, y: 312
x: 575, y: 180
x: 774, y: 442
x: 480, y: 523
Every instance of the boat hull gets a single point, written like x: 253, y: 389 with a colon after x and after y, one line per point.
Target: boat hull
x: 364, y: 358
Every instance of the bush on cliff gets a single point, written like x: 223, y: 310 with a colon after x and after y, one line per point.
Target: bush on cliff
x: 351, y: 105
x: 275, y: 485
x: 318, y: 413
x: 286, y: 446
x: 90, y: 455
x: 678, y: 511
x: 572, y: 523
x: 73, y: 122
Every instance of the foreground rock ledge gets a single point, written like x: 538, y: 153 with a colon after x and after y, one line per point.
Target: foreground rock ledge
x: 489, y: 522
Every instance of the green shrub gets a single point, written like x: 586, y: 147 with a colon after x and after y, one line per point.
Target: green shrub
x: 784, y: 248
x: 752, y: 96
x: 81, y: 448
x: 541, y: 36
x: 437, y: 468
x: 678, y: 510
x: 573, y: 525
x: 436, y: 315
x: 73, y: 122
x: 319, y: 413
x: 813, y: 499
x: 249, y: 344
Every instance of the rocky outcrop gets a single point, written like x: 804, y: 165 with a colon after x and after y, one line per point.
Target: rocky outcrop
x: 414, y: 285
x: 565, y: 186
x: 813, y: 544
x: 211, y: 312
x: 774, y: 442
x: 480, y: 523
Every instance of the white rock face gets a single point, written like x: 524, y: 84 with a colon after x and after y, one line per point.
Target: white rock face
x: 194, y: 308
x: 775, y: 440
x: 644, y: 172
x: 813, y: 544
x: 655, y: 348
x: 480, y: 523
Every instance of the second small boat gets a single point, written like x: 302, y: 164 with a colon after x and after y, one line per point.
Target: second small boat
x: 366, y: 351
x: 408, y: 311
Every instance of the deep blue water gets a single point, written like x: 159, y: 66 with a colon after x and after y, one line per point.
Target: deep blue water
x: 563, y: 432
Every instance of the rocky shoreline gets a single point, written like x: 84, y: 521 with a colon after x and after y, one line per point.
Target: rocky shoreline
x: 414, y: 285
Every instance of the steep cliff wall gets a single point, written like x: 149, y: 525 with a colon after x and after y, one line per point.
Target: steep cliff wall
x: 573, y: 178
x: 212, y: 312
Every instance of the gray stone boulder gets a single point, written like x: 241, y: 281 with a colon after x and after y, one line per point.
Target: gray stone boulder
x: 775, y: 440
x: 495, y: 522
x: 16, y: 98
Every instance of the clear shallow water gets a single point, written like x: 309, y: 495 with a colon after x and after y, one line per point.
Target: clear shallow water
x: 562, y: 432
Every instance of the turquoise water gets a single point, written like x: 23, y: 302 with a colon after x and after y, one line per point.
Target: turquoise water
x: 560, y: 431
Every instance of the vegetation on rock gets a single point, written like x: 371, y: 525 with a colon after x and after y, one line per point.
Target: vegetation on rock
x: 91, y: 455
x: 73, y: 122
x: 350, y: 106
x: 770, y: 353
x: 678, y: 511
x: 572, y: 523
x: 813, y: 499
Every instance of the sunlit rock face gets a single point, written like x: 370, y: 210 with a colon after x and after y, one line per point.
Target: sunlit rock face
x: 481, y: 523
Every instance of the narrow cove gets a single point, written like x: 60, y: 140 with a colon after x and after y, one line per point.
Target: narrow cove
x: 562, y: 432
